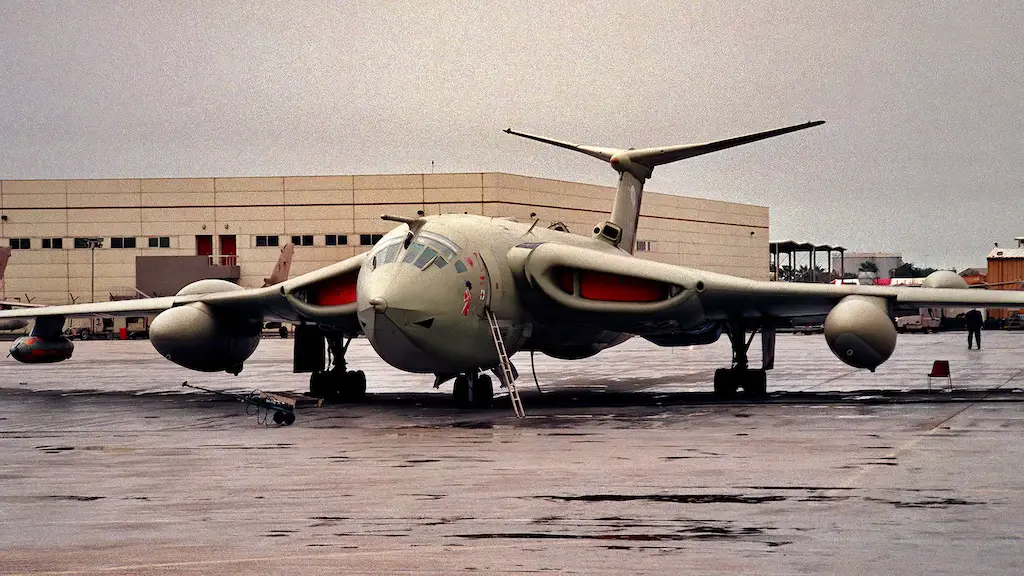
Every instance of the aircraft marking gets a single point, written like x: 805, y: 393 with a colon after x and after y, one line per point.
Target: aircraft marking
x: 467, y: 297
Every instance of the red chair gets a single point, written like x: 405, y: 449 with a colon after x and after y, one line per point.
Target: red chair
x: 940, y: 369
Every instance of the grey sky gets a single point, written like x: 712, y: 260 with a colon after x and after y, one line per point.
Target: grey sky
x: 923, y: 152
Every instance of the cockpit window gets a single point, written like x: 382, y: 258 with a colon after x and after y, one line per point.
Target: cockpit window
x: 431, y: 249
x: 389, y: 254
x: 413, y: 251
x: 426, y: 258
x: 386, y: 254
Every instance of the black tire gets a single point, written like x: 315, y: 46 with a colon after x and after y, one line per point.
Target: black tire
x: 283, y: 331
x: 755, y: 384
x: 460, y: 391
x: 353, y: 386
x: 84, y: 334
x: 289, y: 418
x: 483, y: 391
x: 317, y: 388
x: 725, y: 383
x: 278, y: 417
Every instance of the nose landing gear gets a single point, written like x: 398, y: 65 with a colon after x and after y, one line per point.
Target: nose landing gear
x: 473, y: 390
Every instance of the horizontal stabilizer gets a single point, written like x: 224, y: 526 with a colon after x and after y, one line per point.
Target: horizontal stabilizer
x: 641, y: 162
x: 652, y: 157
x: 599, y: 153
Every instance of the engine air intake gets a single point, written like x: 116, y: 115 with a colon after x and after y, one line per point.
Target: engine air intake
x: 612, y: 287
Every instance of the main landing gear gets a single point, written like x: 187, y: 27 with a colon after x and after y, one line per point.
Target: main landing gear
x: 335, y: 382
x: 473, y: 390
x: 754, y: 383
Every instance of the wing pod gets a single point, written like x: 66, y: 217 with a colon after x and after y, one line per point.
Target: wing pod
x: 860, y: 332
x: 38, y: 350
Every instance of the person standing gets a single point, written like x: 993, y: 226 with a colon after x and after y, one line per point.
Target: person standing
x: 974, y: 322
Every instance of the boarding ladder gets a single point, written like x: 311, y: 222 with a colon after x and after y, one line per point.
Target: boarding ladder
x: 505, y: 365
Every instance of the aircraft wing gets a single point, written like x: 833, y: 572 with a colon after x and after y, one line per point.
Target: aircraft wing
x: 617, y: 292
x: 325, y: 296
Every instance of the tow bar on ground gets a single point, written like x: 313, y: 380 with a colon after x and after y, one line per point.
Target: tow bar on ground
x: 264, y: 406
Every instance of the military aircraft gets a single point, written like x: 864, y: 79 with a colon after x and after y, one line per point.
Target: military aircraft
x: 455, y: 295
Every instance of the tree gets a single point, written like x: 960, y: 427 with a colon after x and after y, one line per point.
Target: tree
x: 868, y: 266
x: 908, y: 270
x: 806, y: 274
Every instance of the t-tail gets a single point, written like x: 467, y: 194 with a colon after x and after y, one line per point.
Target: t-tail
x: 635, y: 166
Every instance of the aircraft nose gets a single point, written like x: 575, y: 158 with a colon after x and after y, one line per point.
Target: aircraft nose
x: 393, y: 315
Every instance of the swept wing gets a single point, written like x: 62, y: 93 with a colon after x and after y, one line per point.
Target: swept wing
x: 618, y: 292
x: 292, y: 300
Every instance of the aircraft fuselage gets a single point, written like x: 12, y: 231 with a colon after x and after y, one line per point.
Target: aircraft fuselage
x: 423, y: 295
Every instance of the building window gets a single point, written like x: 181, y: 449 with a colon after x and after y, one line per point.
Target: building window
x: 336, y: 240
x: 54, y: 243
x: 302, y: 240
x: 369, y: 239
x: 21, y: 243
x: 160, y: 242
x: 644, y: 246
x: 267, y: 241
x: 122, y: 242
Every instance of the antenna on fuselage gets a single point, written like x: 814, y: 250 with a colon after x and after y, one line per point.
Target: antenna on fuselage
x: 635, y: 166
x: 532, y: 226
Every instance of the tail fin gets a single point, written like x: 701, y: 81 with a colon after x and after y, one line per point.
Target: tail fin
x: 635, y: 166
x: 282, y: 268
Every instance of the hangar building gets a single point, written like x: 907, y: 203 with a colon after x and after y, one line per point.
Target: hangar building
x: 233, y: 228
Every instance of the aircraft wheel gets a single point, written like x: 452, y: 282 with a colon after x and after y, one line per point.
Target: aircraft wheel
x: 483, y: 391
x: 354, y: 386
x: 460, y: 390
x: 725, y: 383
x: 318, y: 387
x: 755, y: 384
x: 278, y: 417
x: 288, y: 418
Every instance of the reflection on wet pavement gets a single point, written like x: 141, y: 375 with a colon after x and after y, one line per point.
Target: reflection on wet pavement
x: 644, y: 476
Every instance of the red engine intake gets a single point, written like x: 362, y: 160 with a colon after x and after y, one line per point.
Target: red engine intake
x: 37, y: 350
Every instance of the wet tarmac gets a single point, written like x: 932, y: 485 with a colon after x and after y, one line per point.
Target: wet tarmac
x: 624, y: 465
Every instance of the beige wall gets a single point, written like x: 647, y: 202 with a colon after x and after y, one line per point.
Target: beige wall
x: 719, y: 236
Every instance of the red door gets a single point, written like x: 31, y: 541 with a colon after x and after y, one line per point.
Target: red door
x: 228, y: 253
x: 204, y: 245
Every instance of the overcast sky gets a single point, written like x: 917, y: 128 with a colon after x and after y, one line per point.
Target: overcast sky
x: 923, y: 152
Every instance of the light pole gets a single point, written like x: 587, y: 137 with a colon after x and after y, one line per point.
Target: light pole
x: 93, y: 244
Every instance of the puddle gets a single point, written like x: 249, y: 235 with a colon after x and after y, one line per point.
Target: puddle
x: 673, y: 498
x: 693, y: 533
x: 473, y: 425
x: 928, y: 503
x: 247, y: 447
x: 54, y: 449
